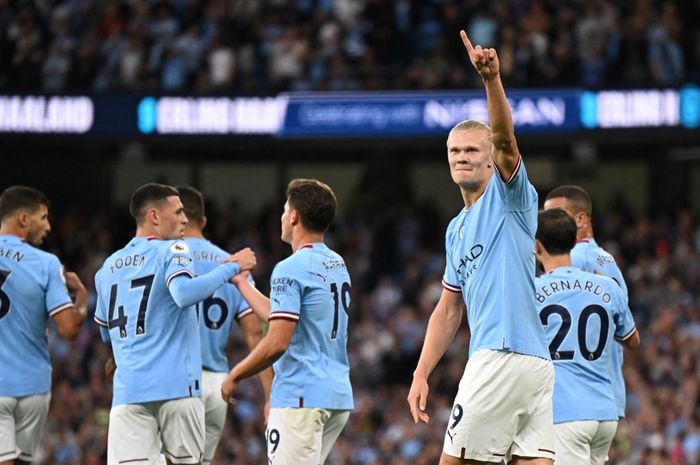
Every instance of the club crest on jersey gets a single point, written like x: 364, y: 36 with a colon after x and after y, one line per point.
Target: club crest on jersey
x: 179, y: 247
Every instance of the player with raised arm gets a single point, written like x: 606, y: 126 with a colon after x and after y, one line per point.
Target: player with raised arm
x: 146, y: 296
x: 31, y: 290
x: 503, y: 408
x: 307, y: 338
x: 583, y: 315
x: 216, y: 316
x: 589, y: 256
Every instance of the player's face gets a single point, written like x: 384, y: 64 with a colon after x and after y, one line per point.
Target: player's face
x: 559, y: 202
x: 469, y: 156
x: 38, y: 226
x: 286, y: 221
x: 172, y: 218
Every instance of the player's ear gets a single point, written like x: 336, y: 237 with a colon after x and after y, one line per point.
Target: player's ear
x: 539, y: 248
x: 22, y: 218
x: 152, y: 215
x: 581, y: 219
x: 204, y: 222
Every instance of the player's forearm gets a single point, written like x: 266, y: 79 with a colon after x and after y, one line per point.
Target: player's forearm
x: 505, y: 152
x: 256, y: 299
x: 265, y: 378
x: 262, y: 357
x: 442, y: 327
x: 188, y: 291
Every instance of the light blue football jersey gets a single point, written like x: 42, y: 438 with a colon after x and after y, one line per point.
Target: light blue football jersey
x: 490, y: 259
x: 155, y: 343
x: 31, y: 290
x: 312, y: 287
x: 583, y: 314
x: 589, y: 256
x: 217, y: 312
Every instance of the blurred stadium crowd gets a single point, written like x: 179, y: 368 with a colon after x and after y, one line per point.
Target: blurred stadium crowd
x: 396, y: 259
x: 253, y: 47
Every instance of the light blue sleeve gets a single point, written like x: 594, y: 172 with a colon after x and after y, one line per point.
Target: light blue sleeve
x: 450, y: 281
x: 104, y: 333
x: 243, y: 304
x: 624, y: 321
x: 187, y: 290
x: 285, y: 293
x: 517, y: 192
x: 100, y: 304
x: 56, y: 296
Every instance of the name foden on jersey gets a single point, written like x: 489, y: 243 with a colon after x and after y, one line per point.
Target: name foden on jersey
x: 552, y: 288
x: 11, y: 254
x: 135, y: 260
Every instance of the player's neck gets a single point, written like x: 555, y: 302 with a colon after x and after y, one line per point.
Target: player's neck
x: 584, y: 233
x: 193, y: 232
x: 470, y: 196
x: 305, y: 237
x: 10, y: 230
x: 148, y: 231
x: 552, y: 262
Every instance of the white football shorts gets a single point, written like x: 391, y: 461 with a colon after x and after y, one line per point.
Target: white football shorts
x: 302, y: 436
x: 503, y: 408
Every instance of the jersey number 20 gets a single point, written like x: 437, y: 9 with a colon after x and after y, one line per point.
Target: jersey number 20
x: 582, y: 327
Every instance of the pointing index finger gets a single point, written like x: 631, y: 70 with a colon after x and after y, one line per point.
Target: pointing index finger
x: 466, y: 41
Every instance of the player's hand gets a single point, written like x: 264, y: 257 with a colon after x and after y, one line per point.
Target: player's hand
x: 418, y: 399
x: 110, y: 368
x: 73, y: 283
x: 245, y: 259
x: 240, y: 278
x: 485, y: 60
x: 228, y: 387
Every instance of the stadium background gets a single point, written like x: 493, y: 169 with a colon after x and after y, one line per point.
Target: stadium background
x: 395, y: 194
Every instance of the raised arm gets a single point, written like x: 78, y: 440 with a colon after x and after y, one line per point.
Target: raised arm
x: 505, y: 149
x: 442, y: 327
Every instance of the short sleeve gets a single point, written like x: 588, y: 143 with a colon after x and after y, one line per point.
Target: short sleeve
x: 624, y: 321
x: 57, y: 298
x: 285, y: 293
x: 178, y: 261
x: 243, y: 308
x: 517, y: 192
x: 450, y: 281
x: 101, y: 317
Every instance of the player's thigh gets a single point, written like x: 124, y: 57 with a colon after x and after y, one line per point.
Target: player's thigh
x: 182, y: 429
x: 214, y: 412
x: 30, y: 422
x: 601, y: 441
x: 8, y: 444
x: 295, y: 435
x: 573, y: 441
x: 331, y: 430
x: 133, y: 435
x: 534, y: 442
x: 498, y: 394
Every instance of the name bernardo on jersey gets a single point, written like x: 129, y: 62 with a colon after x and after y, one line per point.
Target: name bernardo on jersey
x: 552, y: 288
